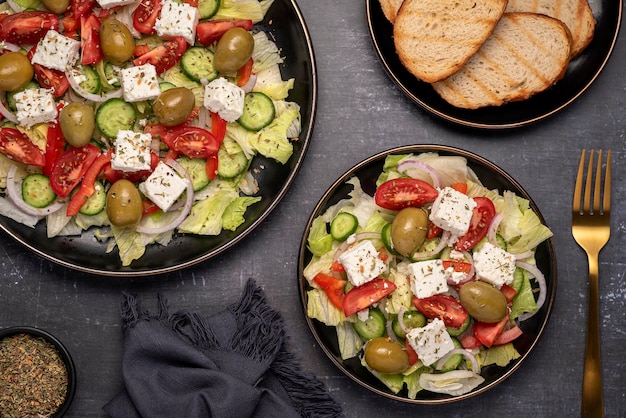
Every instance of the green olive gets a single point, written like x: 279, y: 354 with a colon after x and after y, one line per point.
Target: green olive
x: 386, y: 356
x: 124, y: 206
x: 408, y: 230
x: 77, y: 122
x: 233, y: 50
x: 116, y: 41
x: 15, y: 71
x: 56, y: 6
x: 483, y: 302
x: 174, y: 106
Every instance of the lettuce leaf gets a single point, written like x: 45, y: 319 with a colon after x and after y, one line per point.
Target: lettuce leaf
x: 320, y: 308
x: 206, y: 215
x: 233, y: 214
x: 500, y: 355
x: 242, y: 9
x: 319, y: 240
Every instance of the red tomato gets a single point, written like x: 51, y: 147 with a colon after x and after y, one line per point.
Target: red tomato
x: 87, y: 186
x: 149, y: 207
x: 70, y: 167
x: 70, y: 23
x: 244, y: 73
x: 508, y: 335
x: 445, y: 307
x: 140, y: 50
x: 218, y: 126
x: 18, y: 147
x: 411, y: 352
x: 146, y: 15
x: 27, y: 27
x: 483, y: 214
x: 402, y: 193
x: 136, y: 176
x: 486, y: 333
x: 458, y: 266
x: 364, y: 296
x: 195, y: 142
x: 90, y: 40
x: 49, y: 78
x: 468, y: 341
x: 460, y: 187
x: 509, y: 292
x: 333, y: 287
x: 164, y: 56
x: 210, y: 31
x: 433, y: 230
x: 211, y: 166
x: 55, y: 144
x: 80, y: 8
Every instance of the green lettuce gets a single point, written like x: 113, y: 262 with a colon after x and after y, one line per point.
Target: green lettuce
x: 319, y: 240
x: 524, y: 300
x: 206, y: 215
x: 242, y: 9
x: 233, y: 214
x: 320, y: 308
x: 500, y: 355
x: 272, y: 141
x: 350, y: 343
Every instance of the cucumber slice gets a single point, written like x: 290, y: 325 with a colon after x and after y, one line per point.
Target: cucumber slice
x: 207, y: 8
x: 96, y: 202
x: 455, y: 360
x: 385, y: 234
x: 113, y: 115
x: 92, y: 80
x: 197, y: 64
x: 231, y: 165
x: 460, y: 330
x: 258, y: 111
x: 36, y: 190
x: 343, y: 225
x: 411, y: 319
x: 373, y: 326
x: 196, y: 168
x: 112, y: 75
x: 165, y: 85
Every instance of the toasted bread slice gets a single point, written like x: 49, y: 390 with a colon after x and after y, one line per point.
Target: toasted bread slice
x: 434, y: 38
x: 526, y: 54
x: 576, y: 14
x: 390, y: 8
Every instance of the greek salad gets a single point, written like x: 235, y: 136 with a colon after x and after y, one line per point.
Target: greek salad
x: 138, y: 119
x: 427, y: 281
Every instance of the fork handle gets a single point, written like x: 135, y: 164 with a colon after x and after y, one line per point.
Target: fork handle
x: 592, y: 403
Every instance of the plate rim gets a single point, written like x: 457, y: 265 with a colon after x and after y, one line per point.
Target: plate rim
x: 466, y: 122
x: 303, y: 285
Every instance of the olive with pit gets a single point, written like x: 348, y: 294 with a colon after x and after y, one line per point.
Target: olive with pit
x: 483, y: 302
x: 116, y: 41
x: 386, y: 356
x: 56, y: 6
x: 233, y: 50
x: 15, y: 71
x: 78, y: 124
x: 123, y: 205
x: 174, y: 106
x: 408, y: 230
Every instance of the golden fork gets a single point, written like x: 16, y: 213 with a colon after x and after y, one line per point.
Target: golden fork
x: 591, y: 230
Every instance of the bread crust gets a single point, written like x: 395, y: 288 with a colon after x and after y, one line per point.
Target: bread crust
x: 390, y: 8
x: 434, y: 38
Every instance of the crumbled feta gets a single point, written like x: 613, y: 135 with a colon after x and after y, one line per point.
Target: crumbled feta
x: 35, y: 106
x: 430, y: 342
x: 132, y: 151
x: 140, y: 83
x: 428, y: 278
x: 163, y: 187
x: 177, y: 19
x: 225, y: 98
x: 494, y: 265
x: 362, y: 263
x: 56, y: 51
x: 452, y: 211
x: 109, y: 4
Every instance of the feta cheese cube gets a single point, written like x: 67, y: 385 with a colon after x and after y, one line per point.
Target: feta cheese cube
x: 494, y: 265
x: 452, y: 211
x: 362, y: 263
x: 132, y: 151
x: 56, y: 51
x: 163, y: 187
x: 109, y: 4
x: 225, y: 98
x: 35, y: 106
x: 140, y: 83
x: 428, y: 278
x: 430, y: 342
x: 177, y: 19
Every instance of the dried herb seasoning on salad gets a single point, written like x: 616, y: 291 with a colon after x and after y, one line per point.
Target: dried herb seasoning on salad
x: 173, y: 98
x: 33, y: 377
x: 427, y: 280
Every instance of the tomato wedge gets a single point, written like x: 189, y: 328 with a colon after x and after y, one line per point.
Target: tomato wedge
x: 27, y: 27
x: 364, y: 296
x: 113, y: 175
x: 487, y: 334
x: 244, y: 73
x: 508, y: 335
x: 483, y: 214
x: 49, y: 78
x: 90, y: 40
x: 402, y: 193
x: 80, y: 8
x: 87, y: 186
x: 210, y: 31
x: 333, y: 287
x: 55, y: 144
x: 146, y: 14
x: 457, y: 265
x: 69, y: 169
x: 164, y: 56
x: 433, y: 230
x: 413, y: 357
x: 445, y: 307
x: 509, y: 292
x: 18, y: 147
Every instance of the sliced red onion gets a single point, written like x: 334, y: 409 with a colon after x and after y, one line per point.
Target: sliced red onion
x: 493, y: 228
x: 445, y: 237
x: 406, y: 165
x: 185, y: 210
x: 401, y: 320
x: 524, y: 255
x: 462, y: 351
x: 5, y: 111
x: 14, y: 186
x: 389, y: 328
x: 543, y: 288
x: 91, y: 96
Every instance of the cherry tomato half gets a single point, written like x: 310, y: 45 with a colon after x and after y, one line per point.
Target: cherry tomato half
x: 18, y: 147
x: 27, y: 27
x: 145, y: 16
x: 69, y: 169
x: 164, y: 56
x: 483, y: 214
x: 445, y: 307
x: 402, y: 193
x: 364, y: 296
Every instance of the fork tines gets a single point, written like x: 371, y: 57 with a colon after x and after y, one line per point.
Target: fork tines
x: 600, y: 196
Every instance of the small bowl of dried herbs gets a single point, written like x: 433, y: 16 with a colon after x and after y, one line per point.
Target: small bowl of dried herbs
x: 37, y: 374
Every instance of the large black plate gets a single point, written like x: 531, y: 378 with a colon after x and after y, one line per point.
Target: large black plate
x: 286, y: 25
x: 492, y: 177
x: 581, y: 73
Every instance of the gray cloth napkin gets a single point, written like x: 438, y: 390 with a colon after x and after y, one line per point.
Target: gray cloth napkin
x: 232, y: 364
